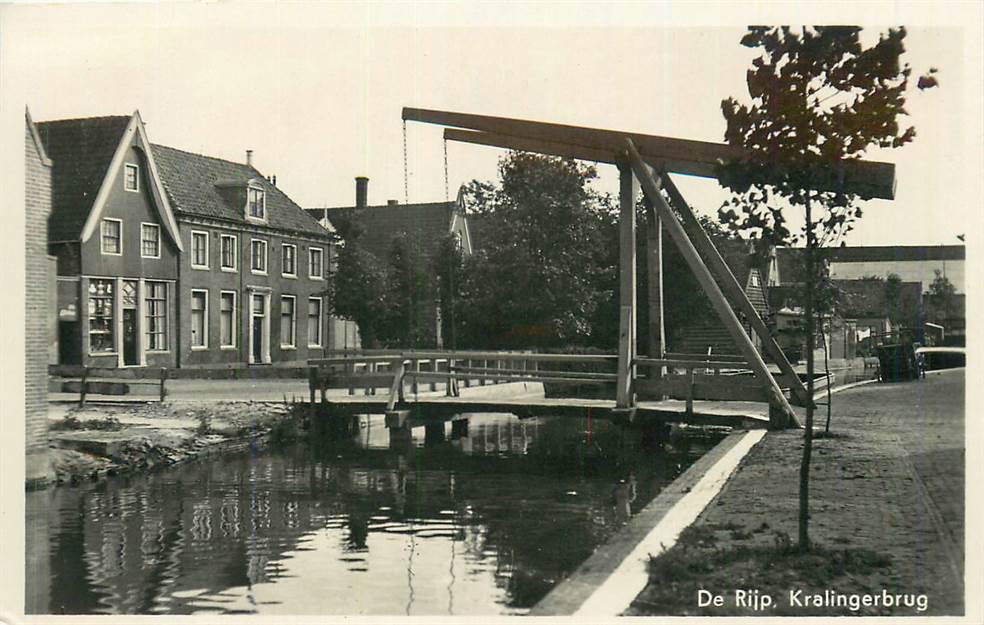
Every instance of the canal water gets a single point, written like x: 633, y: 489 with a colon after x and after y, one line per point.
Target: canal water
x: 485, y: 521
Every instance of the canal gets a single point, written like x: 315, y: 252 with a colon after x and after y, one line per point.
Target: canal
x: 485, y: 521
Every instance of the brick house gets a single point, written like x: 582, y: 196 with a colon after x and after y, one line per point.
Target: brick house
x: 254, y: 273
x: 39, y: 273
x: 116, y: 241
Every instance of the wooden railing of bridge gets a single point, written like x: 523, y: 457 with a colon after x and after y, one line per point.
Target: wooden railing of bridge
x: 676, y: 375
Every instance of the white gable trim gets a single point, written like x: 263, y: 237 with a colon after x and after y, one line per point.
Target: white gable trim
x: 134, y: 128
x: 42, y: 153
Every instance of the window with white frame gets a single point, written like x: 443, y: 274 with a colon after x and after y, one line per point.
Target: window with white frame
x: 288, y: 320
x: 131, y: 177
x: 258, y: 256
x: 227, y: 319
x: 199, y: 319
x: 156, y: 310
x: 199, y: 249
x: 101, y: 339
x: 289, y: 260
x: 112, y: 236
x: 316, y: 266
x: 150, y: 240
x: 314, y: 322
x: 229, y: 244
x: 256, y: 202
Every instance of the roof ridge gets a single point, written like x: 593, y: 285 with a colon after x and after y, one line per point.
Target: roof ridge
x: 209, y: 157
x: 82, y: 119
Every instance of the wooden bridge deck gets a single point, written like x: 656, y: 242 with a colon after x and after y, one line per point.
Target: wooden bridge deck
x: 424, y: 410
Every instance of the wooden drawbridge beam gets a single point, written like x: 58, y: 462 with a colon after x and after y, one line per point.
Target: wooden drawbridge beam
x: 682, y: 156
x: 732, y: 290
x: 781, y: 413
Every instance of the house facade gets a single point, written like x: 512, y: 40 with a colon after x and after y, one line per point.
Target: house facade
x: 171, y: 259
x: 253, y: 278
x: 116, y: 243
x: 39, y: 274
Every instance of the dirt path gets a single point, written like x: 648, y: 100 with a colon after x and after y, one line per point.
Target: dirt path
x: 887, y: 511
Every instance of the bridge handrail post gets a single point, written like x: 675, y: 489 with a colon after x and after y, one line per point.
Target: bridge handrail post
x: 690, y: 391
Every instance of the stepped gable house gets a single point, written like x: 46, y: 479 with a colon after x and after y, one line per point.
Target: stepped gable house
x: 116, y: 242
x: 167, y: 258
x: 254, y: 273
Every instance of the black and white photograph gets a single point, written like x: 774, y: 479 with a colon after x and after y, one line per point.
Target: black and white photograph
x: 484, y: 311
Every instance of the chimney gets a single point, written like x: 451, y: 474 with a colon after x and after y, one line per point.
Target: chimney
x: 392, y: 202
x: 361, y: 191
x: 273, y: 180
x: 249, y: 157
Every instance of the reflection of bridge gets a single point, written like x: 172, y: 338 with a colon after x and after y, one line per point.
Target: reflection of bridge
x: 443, y: 386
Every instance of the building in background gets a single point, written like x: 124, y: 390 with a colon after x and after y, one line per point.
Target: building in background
x: 378, y: 227
x: 39, y: 283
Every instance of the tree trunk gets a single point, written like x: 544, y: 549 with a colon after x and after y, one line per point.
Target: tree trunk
x: 804, y: 490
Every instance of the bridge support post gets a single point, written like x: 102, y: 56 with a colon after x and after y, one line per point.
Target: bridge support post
x: 628, y: 188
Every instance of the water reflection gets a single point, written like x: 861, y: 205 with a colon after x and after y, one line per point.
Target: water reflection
x: 484, y: 519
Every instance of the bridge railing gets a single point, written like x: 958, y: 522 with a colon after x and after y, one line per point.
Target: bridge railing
x: 372, y: 369
x: 676, y: 375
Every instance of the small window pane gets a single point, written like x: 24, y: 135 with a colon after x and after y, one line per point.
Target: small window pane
x: 287, y: 321
x: 101, y: 324
x: 131, y: 177
x: 228, y: 252
x: 227, y: 319
x: 150, y: 241
x: 111, y: 237
x: 198, y: 322
x: 199, y: 249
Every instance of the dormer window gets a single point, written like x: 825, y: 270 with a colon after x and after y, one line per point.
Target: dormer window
x: 256, y: 202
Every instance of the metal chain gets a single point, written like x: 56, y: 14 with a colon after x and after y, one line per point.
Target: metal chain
x: 406, y: 174
x: 447, y: 195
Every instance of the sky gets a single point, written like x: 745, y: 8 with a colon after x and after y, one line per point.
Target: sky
x: 316, y: 91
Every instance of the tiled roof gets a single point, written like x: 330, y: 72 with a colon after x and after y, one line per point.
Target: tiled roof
x: 81, y: 151
x: 379, y: 225
x: 195, y: 186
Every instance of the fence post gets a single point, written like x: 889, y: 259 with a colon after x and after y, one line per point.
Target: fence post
x: 85, y: 377
x: 312, y: 383
x: 468, y: 364
x: 434, y: 369
x: 350, y: 371
x: 163, y: 379
x: 415, y: 386
x: 690, y: 391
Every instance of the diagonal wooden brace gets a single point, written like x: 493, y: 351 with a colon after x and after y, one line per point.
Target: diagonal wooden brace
x: 781, y: 412
x: 731, y: 289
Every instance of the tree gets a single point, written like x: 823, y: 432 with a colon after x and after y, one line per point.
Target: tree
x: 940, y: 299
x: 359, y: 292
x: 539, y: 275
x: 819, y: 96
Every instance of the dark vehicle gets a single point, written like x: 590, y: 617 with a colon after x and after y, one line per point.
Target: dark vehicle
x: 942, y: 357
x: 898, y: 362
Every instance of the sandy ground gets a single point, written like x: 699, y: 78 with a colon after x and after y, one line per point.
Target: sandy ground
x: 887, y: 493
x: 101, y: 439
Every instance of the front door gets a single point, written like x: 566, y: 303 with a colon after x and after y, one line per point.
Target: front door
x: 130, y: 356
x: 258, y: 314
x: 130, y: 332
